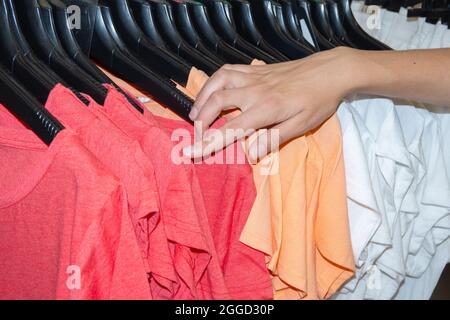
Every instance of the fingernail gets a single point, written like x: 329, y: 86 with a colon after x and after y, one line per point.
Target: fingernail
x: 187, y: 152
x: 194, y: 113
x: 262, y: 151
x: 257, y: 151
x: 192, y: 151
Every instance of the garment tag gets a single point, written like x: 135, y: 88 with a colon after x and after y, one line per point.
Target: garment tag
x: 306, y: 33
x: 144, y: 99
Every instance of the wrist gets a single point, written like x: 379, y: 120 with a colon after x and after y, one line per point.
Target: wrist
x: 358, y: 78
x: 349, y: 71
x: 368, y: 72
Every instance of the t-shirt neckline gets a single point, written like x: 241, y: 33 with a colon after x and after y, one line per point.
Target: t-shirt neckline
x: 24, y: 139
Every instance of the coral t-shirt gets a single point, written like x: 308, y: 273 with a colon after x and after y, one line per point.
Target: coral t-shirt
x: 125, y: 159
x: 65, y: 231
x: 227, y: 186
x: 223, y: 215
x: 216, y: 181
x: 183, y: 211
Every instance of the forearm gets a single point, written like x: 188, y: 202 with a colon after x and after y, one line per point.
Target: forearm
x: 298, y: 96
x: 421, y: 75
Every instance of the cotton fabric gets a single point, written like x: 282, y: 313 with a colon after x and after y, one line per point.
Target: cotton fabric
x: 65, y: 217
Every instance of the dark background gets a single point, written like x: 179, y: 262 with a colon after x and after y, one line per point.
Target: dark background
x: 442, y: 291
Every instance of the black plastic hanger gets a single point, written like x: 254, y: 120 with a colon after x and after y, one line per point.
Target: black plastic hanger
x: 278, y: 12
x: 72, y: 48
x: 170, y: 37
x: 357, y: 35
x: 278, y: 8
x: 110, y: 52
x: 161, y: 12
x: 46, y: 17
x: 380, y: 3
x: 289, y: 20
x: 144, y: 18
x: 267, y: 24
x: 187, y: 30
x: 246, y: 27
x: 322, y: 21
x: 221, y: 22
x: 202, y: 23
x: 14, y: 59
x: 160, y: 60
x: 337, y: 23
x: 43, y: 71
x: 292, y: 24
x: 46, y: 14
x: 31, y: 21
x: 262, y: 45
x: 394, y: 5
x: 27, y: 109
x: 302, y: 11
x: 25, y: 47
x: 432, y: 11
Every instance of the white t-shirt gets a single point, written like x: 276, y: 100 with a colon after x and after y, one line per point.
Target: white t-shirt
x: 445, y: 42
x: 402, y: 31
x: 413, y: 210
x: 434, y: 200
x: 378, y: 126
x: 436, y: 39
x: 426, y: 35
x: 422, y: 288
x: 364, y: 216
x: 445, y: 134
x: 401, y: 144
x: 388, y: 19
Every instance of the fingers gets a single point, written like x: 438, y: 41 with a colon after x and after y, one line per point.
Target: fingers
x: 220, y: 101
x: 271, y: 140
x: 238, y: 67
x: 222, y: 80
x: 240, y: 127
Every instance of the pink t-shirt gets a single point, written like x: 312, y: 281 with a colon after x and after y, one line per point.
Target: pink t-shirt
x: 65, y: 231
x: 220, y: 216
x: 124, y: 158
x: 182, y: 206
x: 226, y: 183
x: 185, y: 224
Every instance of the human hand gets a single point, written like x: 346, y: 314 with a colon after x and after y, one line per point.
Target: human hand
x: 293, y: 98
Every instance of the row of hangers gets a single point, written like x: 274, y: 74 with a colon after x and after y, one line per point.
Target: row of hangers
x: 432, y: 10
x: 153, y: 44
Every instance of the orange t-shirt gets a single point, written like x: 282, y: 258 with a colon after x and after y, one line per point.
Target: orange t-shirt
x: 299, y: 218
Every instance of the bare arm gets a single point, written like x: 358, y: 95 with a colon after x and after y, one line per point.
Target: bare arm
x: 422, y: 75
x: 296, y: 97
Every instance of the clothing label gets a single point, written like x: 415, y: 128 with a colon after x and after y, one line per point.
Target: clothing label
x: 144, y: 99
